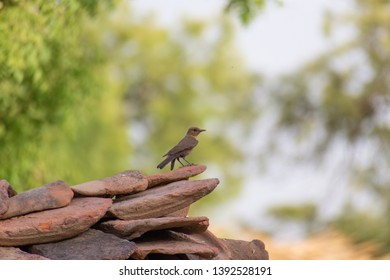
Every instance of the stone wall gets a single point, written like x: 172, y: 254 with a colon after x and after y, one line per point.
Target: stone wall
x: 125, y: 216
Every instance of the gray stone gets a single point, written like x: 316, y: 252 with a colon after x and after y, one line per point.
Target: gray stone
x: 246, y: 250
x: 12, y: 253
x: 90, y: 245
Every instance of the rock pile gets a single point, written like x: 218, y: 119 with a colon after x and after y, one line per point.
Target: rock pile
x: 125, y: 216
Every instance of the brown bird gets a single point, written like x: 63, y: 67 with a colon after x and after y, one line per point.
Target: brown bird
x: 182, y: 149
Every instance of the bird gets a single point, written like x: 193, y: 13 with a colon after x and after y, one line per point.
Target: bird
x: 182, y: 149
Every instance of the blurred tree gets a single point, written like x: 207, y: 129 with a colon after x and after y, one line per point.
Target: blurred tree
x: 342, y: 100
x: 190, y: 75
x: 246, y: 9
x: 306, y: 213
x: 56, y: 119
x: 78, y: 80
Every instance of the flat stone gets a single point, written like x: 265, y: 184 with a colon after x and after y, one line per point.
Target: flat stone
x: 131, y: 229
x: 53, y: 225
x: 222, y: 252
x: 126, y: 182
x: 169, y: 243
x: 175, y: 175
x: 6, y: 191
x: 12, y: 253
x: 246, y: 250
x: 10, y: 190
x: 180, y: 213
x: 4, y: 199
x: 53, y: 195
x: 90, y: 245
x: 229, y: 249
x: 160, y: 201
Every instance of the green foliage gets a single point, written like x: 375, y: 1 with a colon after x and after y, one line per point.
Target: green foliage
x: 302, y: 212
x: 345, y: 91
x: 246, y: 9
x: 52, y: 96
x: 364, y: 227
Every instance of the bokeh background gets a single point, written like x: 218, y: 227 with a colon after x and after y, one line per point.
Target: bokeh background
x: 294, y: 94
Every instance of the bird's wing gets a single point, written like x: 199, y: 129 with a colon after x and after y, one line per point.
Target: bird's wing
x: 186, y: 143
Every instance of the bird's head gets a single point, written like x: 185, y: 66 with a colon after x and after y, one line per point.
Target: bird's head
x: 194, y: 131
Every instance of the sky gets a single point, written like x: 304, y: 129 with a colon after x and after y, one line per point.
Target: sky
x: 281, y: 39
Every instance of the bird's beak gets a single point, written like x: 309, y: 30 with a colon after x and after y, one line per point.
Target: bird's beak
x: 201, y: 130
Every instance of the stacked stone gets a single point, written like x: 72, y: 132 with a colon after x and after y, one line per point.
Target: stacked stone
x: 125, y: 216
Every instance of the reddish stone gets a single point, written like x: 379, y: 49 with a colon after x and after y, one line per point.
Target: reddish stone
x: 123, y: 183
x: 179, y: 213
x: 4, y: 184
x: 246, y: 250
x: 170, y: 243
x: 6, y: 191
x: 53, y: 225
x: 160, y: 201
x: 175, y: 175
x: 4, y: 199
x: 90, y: 245
x: 207, y: 238
x: 229, y: 249
x: 54, y: 195
x: 131, y: 229
x: 12, y: 253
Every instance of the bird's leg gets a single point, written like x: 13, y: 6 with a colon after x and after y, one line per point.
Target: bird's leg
x: 173, y: 164
x: 188, y: 162
x: 178, y: 159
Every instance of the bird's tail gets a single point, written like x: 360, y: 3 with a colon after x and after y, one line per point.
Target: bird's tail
x: 165, y: 162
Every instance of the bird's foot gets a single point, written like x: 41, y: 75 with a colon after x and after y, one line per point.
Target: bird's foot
x: 188, y: 164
